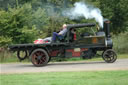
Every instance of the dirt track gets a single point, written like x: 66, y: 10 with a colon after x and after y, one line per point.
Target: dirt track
x: 121, y: 64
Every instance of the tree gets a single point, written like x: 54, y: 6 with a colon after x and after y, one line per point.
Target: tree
x: 22, y: 21
x: 15, y: 25
x: 117, y: 12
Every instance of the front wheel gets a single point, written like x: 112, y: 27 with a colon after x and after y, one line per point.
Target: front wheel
x: 39, y: 57
x: 109, y: 56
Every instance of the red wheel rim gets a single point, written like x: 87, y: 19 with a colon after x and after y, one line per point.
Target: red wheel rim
x: 39, y: 57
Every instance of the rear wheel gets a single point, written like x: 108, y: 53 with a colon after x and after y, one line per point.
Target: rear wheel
x: 39, y: 57
x: 109, y: 56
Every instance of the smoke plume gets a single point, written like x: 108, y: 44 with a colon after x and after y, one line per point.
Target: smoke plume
x: 88, y: 11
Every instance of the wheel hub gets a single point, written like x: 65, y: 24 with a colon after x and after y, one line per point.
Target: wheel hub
x: 39, y: 57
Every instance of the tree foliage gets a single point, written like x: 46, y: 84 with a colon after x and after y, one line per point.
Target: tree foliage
x: 14, y: 24
x: 117, y: 12
x: 22, y: 21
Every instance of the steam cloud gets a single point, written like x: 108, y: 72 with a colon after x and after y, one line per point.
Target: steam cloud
x: 88, y: 11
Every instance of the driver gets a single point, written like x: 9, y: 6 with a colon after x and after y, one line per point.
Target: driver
x: 60, y: 34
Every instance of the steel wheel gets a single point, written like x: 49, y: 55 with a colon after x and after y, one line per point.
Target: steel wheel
x: 39, y: 57
x: 109, y: 56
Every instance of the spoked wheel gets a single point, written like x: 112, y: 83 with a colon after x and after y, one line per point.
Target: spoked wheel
x: 39, y: 57
x: 109, y: 56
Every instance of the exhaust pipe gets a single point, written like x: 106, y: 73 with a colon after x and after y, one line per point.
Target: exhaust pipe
x: 107, y: 28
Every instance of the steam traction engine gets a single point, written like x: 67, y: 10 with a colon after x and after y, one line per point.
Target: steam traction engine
x: 83, y: 44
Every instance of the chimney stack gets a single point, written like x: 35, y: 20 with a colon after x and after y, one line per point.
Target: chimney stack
x: 106, y: 28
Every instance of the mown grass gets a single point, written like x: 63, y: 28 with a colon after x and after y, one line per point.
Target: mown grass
x: 67, y: 78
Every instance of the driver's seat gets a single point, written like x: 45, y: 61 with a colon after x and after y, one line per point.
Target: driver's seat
x: 62, y: 38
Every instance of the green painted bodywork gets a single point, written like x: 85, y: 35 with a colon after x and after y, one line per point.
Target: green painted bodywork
x: 91, y: 40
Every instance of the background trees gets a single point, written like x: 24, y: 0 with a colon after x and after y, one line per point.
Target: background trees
x: 117, y: 12
x: 16, y: 26
x: 23, y: 21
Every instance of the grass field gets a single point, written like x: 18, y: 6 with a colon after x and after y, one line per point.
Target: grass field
x: 67, y: 78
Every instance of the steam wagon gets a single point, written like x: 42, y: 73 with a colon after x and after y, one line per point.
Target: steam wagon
x: 81, y: 43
